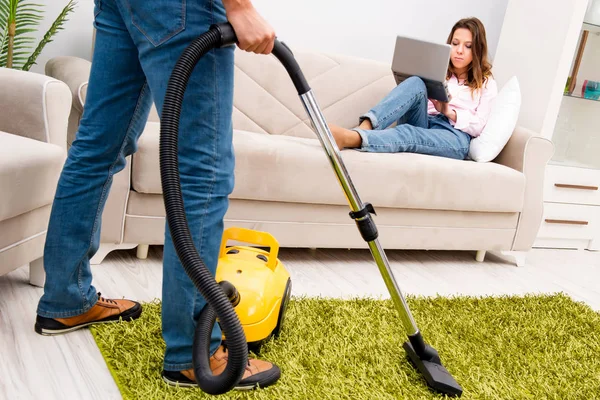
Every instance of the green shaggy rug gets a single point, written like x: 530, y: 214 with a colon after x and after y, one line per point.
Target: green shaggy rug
x: 532, y: 347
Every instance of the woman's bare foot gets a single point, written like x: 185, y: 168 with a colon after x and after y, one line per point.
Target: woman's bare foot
x: 345, y: 137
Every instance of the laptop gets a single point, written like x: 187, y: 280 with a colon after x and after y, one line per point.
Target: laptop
x: 427, y: 60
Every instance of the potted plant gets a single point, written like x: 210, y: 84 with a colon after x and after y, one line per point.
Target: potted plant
x: 18, y: 19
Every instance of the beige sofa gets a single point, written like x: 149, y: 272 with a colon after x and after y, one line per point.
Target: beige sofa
x: 34, y: 112
x: 285, y: 185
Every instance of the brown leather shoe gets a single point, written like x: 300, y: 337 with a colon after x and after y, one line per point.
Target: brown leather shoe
x: 105, y: 310
x: 258, y: 373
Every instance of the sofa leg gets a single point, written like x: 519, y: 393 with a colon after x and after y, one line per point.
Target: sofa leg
x: 480, y: 256
x: 518, y: 257
x: 142, y: 251
x: 37, y: 274
x: 106, y: 248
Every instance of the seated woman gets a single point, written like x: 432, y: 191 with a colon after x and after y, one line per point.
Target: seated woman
x: 429, y: 126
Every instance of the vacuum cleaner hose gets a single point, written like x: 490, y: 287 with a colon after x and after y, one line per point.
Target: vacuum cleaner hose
x: 219, y: 298
x: 218, y: 301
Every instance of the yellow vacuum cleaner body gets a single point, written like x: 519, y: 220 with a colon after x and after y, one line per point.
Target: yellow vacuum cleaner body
x: 261, y: 279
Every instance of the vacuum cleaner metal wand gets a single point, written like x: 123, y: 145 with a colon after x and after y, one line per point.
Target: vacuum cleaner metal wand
x: 424, y: 357
x: 326, y: 138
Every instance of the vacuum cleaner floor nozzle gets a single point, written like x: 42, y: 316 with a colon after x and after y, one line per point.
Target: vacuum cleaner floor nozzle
x: 436, y: 375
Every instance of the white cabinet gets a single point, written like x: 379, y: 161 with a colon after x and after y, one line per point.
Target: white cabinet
x: 571, y: 209
x: 572, y: 184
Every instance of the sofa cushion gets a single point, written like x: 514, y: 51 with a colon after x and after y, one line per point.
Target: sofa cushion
x: 29, y: 171
x: 501, y: 123
x: 295, y: 169
x: 266, y: 101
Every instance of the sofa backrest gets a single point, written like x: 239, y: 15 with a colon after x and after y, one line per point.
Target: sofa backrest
x: 266, y: 101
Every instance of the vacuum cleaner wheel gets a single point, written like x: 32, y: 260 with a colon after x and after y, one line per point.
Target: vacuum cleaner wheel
x: 284, y: 302
x: 255, y: 347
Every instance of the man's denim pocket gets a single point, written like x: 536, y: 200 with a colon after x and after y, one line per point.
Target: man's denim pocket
x: 97, y: 7
x: 158, y: 20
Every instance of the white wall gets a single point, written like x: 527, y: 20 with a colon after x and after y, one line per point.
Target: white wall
x: 353, y: 27
x: 369, y: 28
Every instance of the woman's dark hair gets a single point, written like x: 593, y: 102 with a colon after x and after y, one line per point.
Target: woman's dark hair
x: 480, y: 68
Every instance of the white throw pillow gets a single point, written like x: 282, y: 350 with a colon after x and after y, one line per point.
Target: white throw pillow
x: 501, y: 123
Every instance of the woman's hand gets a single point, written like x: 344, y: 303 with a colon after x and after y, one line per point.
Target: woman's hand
x: 443, y: 108
x: 254, y: 34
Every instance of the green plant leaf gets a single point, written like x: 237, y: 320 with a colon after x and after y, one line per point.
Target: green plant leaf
x: 30, y: 20
x: 4, y: 16
x: 25, y: 44
x: 23, y: 31
x: 57, y: 26
x: 28, y: 16
x: 17, y: 61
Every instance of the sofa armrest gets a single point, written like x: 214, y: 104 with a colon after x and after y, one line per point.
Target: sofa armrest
x: 34, y: 106
x: 73, y: 71
x: 528, y: 153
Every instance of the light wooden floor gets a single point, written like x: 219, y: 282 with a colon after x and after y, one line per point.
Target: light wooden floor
x: 71, y: 367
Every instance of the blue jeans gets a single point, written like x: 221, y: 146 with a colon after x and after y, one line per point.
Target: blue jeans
x: 137, y: 45
x: 415, y: 132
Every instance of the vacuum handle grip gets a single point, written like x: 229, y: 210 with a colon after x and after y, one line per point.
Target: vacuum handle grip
x: 227, y: 33
x: 286, y: 57
x: 280, y: 50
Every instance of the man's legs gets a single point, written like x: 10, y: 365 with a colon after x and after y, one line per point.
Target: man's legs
x: 206, y: 159
x: 117, y: 106
x: 206, y: 165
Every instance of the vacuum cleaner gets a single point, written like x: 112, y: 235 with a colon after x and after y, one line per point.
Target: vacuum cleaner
x: 260, y: 278
x: 223, y: 296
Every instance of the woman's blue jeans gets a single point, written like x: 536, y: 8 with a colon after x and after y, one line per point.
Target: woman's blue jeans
x: 137, y: 45
x: 415, y: 131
